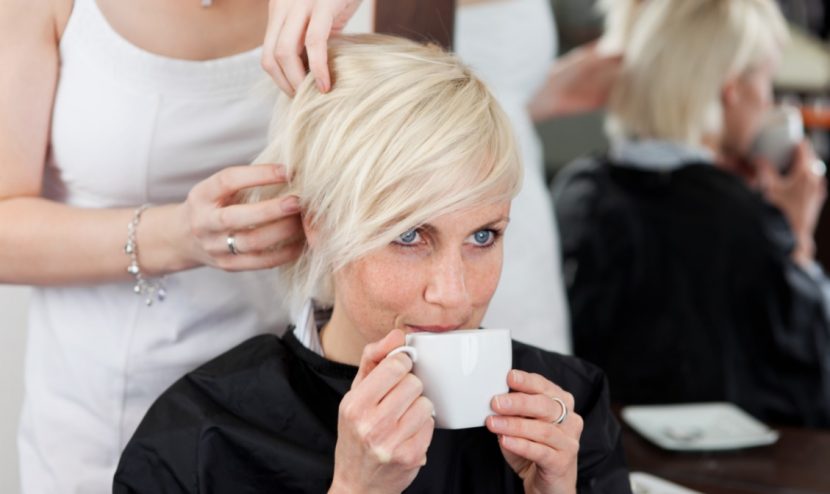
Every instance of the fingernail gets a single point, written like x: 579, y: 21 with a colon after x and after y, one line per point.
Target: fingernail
x: 320, y: 85
x: 290, y: 204
x: 497, y: 422
x: 508, y: 441
x: 504, y: 402
x: 517, y: 376
x: 281, y: 173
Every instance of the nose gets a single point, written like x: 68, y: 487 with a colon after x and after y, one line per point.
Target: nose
x: 447, y: 286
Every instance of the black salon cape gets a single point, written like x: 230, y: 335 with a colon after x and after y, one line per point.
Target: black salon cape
x: 262, y: 418
x: 682, y: 289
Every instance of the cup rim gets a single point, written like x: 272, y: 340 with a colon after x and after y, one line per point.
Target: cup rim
x: 459, y: 332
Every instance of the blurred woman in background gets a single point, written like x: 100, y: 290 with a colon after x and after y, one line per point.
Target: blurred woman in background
x: 686, y: 284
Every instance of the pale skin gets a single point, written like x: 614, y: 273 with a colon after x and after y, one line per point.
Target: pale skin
x: 437, y: 277
x: 580, y: 81
x: 48, y: 243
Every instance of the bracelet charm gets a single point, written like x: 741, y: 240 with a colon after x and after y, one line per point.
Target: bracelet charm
x: 149, y: 288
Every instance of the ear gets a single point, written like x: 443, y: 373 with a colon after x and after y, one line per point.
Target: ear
x: 730, y: 92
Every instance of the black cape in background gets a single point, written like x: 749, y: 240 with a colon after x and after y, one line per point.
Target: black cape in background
x: 682, y: 289
x: 262, y: 418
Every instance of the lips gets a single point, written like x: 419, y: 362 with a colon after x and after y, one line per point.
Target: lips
x: 433, y: 329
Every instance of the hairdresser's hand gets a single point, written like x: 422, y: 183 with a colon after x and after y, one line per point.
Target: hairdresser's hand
x: 262, y: 231
x: 385, y: 424
x: 542, y: 452
x: 578, y: 82
x: 297, y: 26
x: 799, y: 194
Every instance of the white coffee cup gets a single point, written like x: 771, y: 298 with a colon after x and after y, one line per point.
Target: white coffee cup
x: 461, y: 371
x: 780, y: 133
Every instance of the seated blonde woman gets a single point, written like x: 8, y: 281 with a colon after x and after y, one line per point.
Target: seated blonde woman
x: 405, y: 173
x: 687, y: 283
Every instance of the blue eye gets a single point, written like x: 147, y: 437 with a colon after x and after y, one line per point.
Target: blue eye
x: 410, y: 237
x: 484, y: 238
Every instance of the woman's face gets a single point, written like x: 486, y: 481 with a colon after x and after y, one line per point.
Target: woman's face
x: 746, y: 100
x: 437, y: 277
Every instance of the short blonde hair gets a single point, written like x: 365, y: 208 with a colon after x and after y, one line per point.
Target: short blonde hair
x: 677, y: 56
x: 406, y: 134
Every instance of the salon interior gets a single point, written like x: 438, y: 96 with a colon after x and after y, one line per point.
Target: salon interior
x: 676, y: 447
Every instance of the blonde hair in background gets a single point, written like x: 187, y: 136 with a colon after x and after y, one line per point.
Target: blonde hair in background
x: 677, y: 56
x: 619, y: 21
x: 406, y: 134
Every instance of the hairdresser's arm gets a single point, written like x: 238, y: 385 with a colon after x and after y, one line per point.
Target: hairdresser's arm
x: 297, y: 26
x: 46, y: 243
x: 578, y: 82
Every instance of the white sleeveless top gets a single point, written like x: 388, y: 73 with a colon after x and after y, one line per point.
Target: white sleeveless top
x: 131, y: 127
x: 511, y: 44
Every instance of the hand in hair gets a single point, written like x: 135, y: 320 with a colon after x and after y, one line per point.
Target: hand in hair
x: 297, y: 26
x: 385, y: 424
x: 578, y: 82
x: 266, y: 233
x: 799, y: 194
x: 542, y: 452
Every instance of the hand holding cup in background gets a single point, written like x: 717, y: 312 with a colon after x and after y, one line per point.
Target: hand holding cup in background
x: 791, y: 176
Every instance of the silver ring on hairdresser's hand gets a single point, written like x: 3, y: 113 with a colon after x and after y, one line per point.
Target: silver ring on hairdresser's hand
x: 231, y: 240
x: 818, y: 167
x: 564, y: 414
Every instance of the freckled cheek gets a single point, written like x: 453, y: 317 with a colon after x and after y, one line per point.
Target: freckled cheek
x: 391, y: 290
x: 482, y: 280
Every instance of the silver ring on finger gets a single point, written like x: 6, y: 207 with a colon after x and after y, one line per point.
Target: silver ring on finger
x: 231, y: 241
x: 564, y: 414
x: 819, y: 167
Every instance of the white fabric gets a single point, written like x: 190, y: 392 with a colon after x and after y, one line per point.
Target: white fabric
x: 510, y: 44
x: 657, y: 155
x: 131, y: 127
x: 306, y: 330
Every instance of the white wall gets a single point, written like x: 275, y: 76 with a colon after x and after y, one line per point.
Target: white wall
x: 13, y: 306
x: 363, y: 19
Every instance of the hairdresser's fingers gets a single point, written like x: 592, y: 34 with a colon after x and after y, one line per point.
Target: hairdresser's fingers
x: 242, y: 216
x: 258, y: 240
x: 316, y: 43
x: 290, y: 43
x: 224, y: 184
x: 277, y: 11
x: 261, y: 260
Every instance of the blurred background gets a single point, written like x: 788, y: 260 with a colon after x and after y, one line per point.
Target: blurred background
x: 804, y: 80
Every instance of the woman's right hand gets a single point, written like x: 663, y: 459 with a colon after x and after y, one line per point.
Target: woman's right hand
x: 385, y: 424
x: 262, y: 232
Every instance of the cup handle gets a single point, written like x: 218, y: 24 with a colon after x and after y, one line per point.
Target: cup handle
x: 410, y: 351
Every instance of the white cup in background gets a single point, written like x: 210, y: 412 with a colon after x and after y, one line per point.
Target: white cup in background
x: 780, y: 133
x: 461, y: 371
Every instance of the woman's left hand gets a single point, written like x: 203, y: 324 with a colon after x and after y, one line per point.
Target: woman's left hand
x: 542, y: 452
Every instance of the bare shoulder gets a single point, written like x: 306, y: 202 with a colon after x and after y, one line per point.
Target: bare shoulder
x: 33, y: 19
x: 28, y: 49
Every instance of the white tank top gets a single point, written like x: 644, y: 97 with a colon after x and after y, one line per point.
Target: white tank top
x: 511, y: 44
x: 131, y: 127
